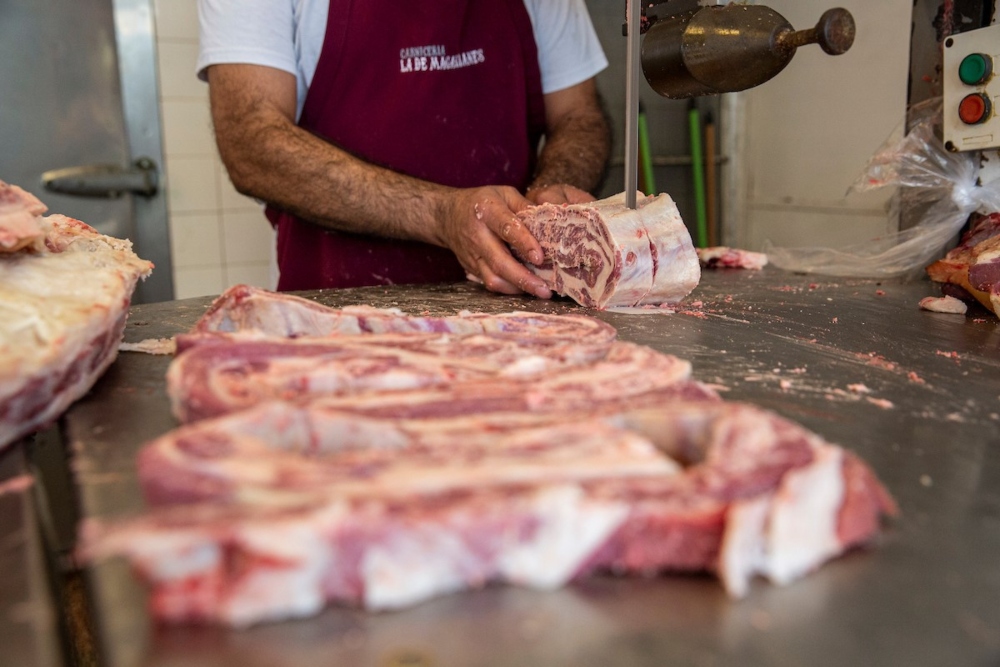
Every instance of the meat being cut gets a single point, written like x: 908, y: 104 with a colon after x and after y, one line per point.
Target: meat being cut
x: 604, y: 255
x: 62, y: 312
x: 971, y: 271
x: 273, y: 512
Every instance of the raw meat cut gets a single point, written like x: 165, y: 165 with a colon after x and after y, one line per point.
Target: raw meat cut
x: 971, y: 271
x: 211, y: 379
x: 243, y: 309
x: 20, y: 223
x: 62, y: 313
x: 253, y: 345
x: 721, y: 257
x: 274, y: 512
x: 603, y: 254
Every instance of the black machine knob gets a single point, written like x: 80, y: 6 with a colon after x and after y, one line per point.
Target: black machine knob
x: 730, y: 48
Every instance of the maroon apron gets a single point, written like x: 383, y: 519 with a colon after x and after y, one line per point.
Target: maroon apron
x: 447, y: 91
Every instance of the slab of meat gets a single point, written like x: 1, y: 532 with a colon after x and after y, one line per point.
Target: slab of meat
x: 274, y: 512
x: 218, y: 377
x: 971, y: 271
x: 62, y: 313
x: 603, y: 254
x: 243, y: 309
x: 21, y: 224
x: 721, y: 257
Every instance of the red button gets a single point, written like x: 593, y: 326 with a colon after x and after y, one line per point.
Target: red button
x: 975, y: 108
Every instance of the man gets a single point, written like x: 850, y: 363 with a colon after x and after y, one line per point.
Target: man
x: 392, y: 140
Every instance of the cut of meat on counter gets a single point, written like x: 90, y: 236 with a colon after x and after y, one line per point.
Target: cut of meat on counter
x: 320, y: 507
x: 365, y: 457
x: 63, y: 305
x: 721, y: 257
x: 21, y: 222
x: 253, y: 346
x: 428, y: 374
x: 971, y: 271
x: 252, y: 311
x: 605, y: 255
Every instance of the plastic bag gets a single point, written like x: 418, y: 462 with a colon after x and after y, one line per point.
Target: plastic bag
x: 939, y: 181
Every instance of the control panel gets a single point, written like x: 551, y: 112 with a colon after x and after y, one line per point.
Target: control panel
x: 972, y: 90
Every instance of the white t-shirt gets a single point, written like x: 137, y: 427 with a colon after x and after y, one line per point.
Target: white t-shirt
x: 288, y: 35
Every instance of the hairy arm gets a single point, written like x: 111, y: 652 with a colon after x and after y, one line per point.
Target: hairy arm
x: 269, y: 157
x: 577, y: 143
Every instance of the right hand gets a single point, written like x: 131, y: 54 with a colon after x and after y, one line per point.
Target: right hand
x: 478, y: 225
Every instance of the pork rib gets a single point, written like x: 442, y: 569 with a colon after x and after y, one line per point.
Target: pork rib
x: 603, y: 254
x: 277, y: 511
x: 62, y: 313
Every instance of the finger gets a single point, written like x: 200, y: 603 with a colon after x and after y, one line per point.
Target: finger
x: 495, y: 283
x: 511, y: 230
x: 501, y: 264
x: 577, y: 196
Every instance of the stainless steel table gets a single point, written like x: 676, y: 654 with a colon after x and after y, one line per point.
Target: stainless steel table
x: 29, y: 631
x: 927, y: 594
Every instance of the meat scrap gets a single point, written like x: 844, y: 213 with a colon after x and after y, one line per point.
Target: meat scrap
x: 721, y: 257
x: 604, y: 254
x: 62, y: 313
x: 944, y: 304
x: 972, y: 269
x: 277, y: 511
x: 21, y: 224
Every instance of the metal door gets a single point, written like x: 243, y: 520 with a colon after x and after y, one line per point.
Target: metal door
x: 61, y: 107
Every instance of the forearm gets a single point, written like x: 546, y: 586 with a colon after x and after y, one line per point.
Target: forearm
x: 274, y: 160
x: 575, y: 151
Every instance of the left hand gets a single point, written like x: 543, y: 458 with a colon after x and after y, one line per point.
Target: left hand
x: 560, y: 193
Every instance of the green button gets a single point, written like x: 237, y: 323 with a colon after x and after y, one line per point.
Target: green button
x: 975, y: 69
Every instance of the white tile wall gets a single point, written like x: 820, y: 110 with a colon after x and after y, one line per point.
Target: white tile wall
x: 812, y: 128
x: 218, y: 237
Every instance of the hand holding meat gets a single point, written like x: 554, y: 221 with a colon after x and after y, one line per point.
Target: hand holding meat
x: 352, y: 173
x: 478, y: 226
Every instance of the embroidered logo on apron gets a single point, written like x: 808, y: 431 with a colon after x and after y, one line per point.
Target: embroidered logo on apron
x: 435, y: 58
